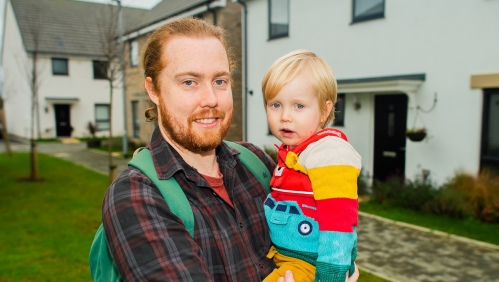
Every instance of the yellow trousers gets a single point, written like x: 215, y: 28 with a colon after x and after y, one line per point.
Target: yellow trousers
x: 302, y: 271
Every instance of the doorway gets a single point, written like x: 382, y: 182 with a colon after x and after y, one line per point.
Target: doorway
x: 62, y: 120
x: 390, y: 122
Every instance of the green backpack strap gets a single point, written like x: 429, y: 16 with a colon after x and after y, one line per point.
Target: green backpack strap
x: 169, y: 188
x: 253, y: 164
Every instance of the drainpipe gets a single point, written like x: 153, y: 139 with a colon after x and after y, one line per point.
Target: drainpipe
x: 213, y: 12
x: 245, y: 70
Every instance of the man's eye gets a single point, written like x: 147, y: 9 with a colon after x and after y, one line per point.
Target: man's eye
x: 188, y: 82
x: 219, y: 82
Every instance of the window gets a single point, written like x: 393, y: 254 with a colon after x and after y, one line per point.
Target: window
x: 490, y: 131
x: 100, y: 69
x: 339, y: 111
x: 364, y: 10
x: 135, y: 119
x: 102, y: 116
x: 60, y: 66
x: 134, y: 53
x: 278, y: 18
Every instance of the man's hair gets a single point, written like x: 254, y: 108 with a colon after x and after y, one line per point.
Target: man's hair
x: 154, y: 61
x: 287, y: 67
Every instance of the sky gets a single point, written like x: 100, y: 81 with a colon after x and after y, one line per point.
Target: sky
x: 145, y: 4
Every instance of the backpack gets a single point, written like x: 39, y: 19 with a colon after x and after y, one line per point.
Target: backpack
x: 102, y: 267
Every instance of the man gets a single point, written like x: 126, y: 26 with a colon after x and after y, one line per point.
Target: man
x: 188, y: 79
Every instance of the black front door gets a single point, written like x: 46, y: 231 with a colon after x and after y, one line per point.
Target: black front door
x: 390, y: 121
x: 62, y: 120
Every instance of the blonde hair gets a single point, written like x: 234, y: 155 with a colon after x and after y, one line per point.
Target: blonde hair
x: 153, y: 60
x: 287, y: 67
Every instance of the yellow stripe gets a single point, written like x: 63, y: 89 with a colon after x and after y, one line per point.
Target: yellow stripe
x: 339, y: 181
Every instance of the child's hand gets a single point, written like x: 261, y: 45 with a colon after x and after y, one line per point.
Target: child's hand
x: 352, y: 278
x: 288, y: 277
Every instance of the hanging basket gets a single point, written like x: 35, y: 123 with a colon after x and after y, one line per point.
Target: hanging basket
x: 416, y: 136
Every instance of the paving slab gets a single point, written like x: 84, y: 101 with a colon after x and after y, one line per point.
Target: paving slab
x: 403, y: 253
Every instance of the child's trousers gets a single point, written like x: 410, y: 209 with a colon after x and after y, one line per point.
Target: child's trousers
x: 302, y: 271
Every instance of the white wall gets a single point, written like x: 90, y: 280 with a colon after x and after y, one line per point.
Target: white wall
x: 447, y: 40
x: 78, y: 84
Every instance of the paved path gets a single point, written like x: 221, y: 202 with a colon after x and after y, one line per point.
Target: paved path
x: 395, y: 251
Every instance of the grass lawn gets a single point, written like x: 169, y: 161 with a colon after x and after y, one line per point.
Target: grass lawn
x: 47, y: 226
x: 470, y: 228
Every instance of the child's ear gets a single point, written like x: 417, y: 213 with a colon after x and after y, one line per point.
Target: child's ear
x: 329, y: 108
x: 151, y: 90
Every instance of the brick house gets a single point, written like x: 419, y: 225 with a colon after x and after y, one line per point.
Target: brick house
x: 225, y: 14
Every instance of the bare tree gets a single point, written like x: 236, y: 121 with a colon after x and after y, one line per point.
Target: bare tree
x: 112, y: 49
x: 33, y: 75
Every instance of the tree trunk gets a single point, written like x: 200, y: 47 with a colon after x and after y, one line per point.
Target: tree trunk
x: 5, y: 133
x: 112, y: 165
x: 34, y: 88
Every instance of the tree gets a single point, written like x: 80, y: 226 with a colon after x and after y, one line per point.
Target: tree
x: 111, y: 65
x: 33, y: 74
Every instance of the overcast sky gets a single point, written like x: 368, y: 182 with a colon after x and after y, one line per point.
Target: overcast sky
x: 145, y: 4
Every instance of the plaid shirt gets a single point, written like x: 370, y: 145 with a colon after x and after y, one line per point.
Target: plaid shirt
x: 149, y: 243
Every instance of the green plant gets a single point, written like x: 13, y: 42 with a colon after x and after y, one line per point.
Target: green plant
x: 362, y: 184
x: 481, y: 193
x: 416, y: 130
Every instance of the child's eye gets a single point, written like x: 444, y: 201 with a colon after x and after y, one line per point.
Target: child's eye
x: 275, y: 105
x: 300, y: 106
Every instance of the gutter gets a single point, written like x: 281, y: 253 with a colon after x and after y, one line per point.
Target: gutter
x: 245, y: 69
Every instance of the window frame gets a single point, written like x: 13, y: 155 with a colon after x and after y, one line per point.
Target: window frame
x: 276, y: 36
x: 60, y: 73
x: 487, y: 159
x: 134, y: 63
x: 358, y: 19
x: 341, y: 97
x: 98, y: 121
x: 135, y: 120
x: 99, y: 74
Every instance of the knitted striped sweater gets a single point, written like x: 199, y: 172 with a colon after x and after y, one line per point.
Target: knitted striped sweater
x: 312, y: 211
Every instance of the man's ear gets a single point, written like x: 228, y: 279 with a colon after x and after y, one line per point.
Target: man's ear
x: 329, y: 107
x: 151, y: 90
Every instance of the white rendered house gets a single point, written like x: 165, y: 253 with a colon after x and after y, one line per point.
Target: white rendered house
x: 72, y: 86
x: 399, y: 65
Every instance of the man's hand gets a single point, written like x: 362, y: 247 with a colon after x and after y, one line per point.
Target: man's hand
x: 288, y: 276
x: 355, y: 275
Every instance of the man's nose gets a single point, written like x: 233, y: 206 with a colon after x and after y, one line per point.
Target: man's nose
x: 208, y: 97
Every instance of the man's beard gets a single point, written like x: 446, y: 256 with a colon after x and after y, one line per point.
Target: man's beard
x: 186, y: 137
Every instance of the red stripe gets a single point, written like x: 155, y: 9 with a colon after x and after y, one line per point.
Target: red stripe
x: 338, y: 214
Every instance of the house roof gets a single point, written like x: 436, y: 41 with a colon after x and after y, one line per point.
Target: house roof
x: 66, y: 27
x: 167, y: 9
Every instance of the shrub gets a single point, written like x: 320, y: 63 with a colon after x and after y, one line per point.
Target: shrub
x: 362, y: 185
x: 396, y: 192
x: 481, y: 194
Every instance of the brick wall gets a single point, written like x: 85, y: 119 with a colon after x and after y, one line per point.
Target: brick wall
x: 228, y: 18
